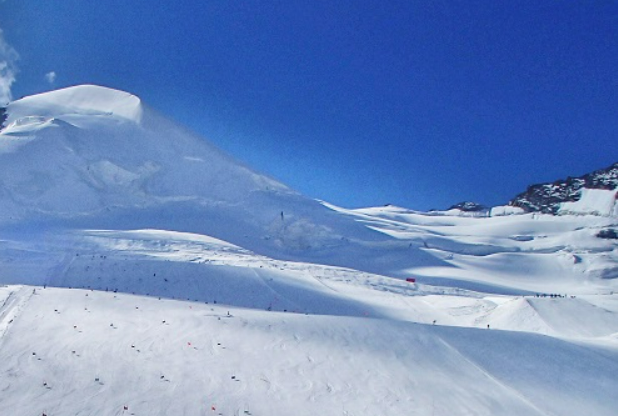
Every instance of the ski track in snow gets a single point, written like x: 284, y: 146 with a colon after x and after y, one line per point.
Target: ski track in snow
x: 13, y: 302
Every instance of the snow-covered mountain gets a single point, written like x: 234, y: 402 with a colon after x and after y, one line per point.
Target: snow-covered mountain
x: 82, y: 150
x: 93, y: 157
x: 593, y: 193
x: 147, y: 272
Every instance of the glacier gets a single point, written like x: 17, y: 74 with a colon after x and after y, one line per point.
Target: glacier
x: 144, y: 271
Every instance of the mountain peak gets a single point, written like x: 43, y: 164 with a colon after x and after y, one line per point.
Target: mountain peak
x: 87, y: 148
x: 95, y: 157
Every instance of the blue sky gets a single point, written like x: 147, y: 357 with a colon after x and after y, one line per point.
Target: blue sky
x: 421, y: 104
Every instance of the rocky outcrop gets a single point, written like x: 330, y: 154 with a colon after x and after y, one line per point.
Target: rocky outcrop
x: 469, y: 206
x: 3, y: 116
x: 547, y: 197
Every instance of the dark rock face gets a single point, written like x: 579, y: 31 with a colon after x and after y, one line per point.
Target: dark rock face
x: 468, y: 206
x: 609, y: 233
x: 3, y: 117
x: 547, y: 197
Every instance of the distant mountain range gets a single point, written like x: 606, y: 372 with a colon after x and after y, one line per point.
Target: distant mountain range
x: 593, y: 193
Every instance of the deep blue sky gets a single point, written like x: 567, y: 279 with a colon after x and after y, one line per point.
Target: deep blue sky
x: 417, y: 103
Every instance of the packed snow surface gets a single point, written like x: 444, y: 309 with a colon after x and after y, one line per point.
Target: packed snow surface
x: 145, y: 272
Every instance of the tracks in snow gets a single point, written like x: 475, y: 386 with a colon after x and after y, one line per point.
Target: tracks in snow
x: 13, y: 303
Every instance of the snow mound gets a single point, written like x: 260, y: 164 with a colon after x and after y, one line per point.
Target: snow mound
x: 82, y: 100
x: 562, y: 316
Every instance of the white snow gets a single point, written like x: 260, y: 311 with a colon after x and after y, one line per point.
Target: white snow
x: 592, y: 201
x: 142, y: 267
x: 505, y: 210
x: 69, y: 104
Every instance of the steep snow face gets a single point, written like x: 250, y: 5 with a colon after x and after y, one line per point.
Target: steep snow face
x: 92, y: 157
x: 102, y: 147
x: 87, y: 149
x: 592, y: 201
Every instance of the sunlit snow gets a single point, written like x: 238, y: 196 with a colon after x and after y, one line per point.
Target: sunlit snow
x: 145, y: 272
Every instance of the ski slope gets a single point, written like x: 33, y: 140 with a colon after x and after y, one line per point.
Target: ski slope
x: 145, y: 272
x: 103, y: 351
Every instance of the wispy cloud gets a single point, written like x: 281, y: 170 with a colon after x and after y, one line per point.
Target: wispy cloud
x: 51, y: 77
x: 8, y: 69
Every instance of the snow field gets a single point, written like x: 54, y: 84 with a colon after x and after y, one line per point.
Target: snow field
x: 152, y: 274
x: 87, y: 352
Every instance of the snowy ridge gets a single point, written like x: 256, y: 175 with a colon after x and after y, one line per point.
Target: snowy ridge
x: 69, y: 104
x: 145, y: 272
